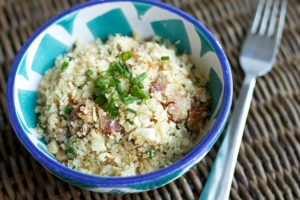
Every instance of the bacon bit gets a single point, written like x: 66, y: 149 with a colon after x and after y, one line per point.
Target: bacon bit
x: 74, y: 113
x: 61, y: 156
x: 195, y: 116
x: 165, y: 105
x: 119, y: 47
x: 130, y: 66
x: 153, y: 120
x: 176, y: 110
x: 133, y: 141
x: 159, y: 85
x: 108, y: 125
x: 71, y: 103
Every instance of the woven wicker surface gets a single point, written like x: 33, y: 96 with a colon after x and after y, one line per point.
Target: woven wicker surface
x: 269, y: 159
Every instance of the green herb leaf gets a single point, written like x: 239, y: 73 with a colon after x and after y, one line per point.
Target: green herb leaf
x: 129, y: 121
x: 68, y: 110
x: 137, y: 92
x: 165, y: 57
x: 99, y: 82
x: 88, y: 72
x: 197, y: 80
x: 112, y: 98
x: 74, y: 141
x: 160, y: 41
x: 123, y: 94
x: 99, y: 91
x: 85, y: 82
x: 116, y: 79
x: 100, y: 100
x: 129, y: 100
x: 131, y: 110
x: 127, y: 68
x: 64, y: 65
x: 126, y: 74
x: 108, y: 90
x: 70, y: 58
x: 43, y: 128
x: 126, y: 55
x: 116, y: 67
x: 109, y: 51
x: 112, y: 110
x: 112, y: 83
x: 139, y: 78
x: 70, y: 150
x: 141, y: 85
x: 151, y: 154
x: 119, y: 88
x: 119, y: 67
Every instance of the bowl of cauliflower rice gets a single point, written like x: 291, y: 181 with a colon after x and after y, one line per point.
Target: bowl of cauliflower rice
x: 120, y: 96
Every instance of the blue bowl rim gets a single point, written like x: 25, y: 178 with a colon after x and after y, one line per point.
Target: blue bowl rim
x: 120, y: 182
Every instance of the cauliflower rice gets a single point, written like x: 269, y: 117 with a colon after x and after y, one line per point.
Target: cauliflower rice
x: 140, y: 132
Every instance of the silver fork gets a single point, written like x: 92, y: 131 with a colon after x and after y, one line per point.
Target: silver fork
x: 257, y: 58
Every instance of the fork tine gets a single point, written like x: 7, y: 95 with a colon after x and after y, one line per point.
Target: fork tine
x: 281, y: 21
x: 273, y: 18
x: 265, y: 18
x: 257, y: 16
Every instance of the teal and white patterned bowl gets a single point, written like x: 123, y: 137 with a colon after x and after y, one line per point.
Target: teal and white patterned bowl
x: 98, y: 19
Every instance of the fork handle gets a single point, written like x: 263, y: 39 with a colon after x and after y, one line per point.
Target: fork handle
x: 218, y: 184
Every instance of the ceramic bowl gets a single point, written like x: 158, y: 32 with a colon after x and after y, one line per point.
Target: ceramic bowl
x: 99, y: 19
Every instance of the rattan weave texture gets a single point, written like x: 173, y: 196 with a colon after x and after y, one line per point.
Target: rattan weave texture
x: 269, y: 159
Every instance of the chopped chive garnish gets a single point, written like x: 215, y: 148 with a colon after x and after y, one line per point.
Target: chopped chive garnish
x: 119, y: 67
x: 165, y: 57
x: 85, y: 82
x: 108, y: 90
x: 160, y: 41
x: 128, y: 69
x: 194, y: 67
x: 64, y: 65
x: 123, y: 94
x: 68, y: 110
x: 109, y: 51
x: 150, y: 154
x: 99, y: 82
x: 116, y: 67
x: 129, y: 100
x: 70, y: 58
x: 74, y: 141
x: 43, y: 128
x: 112, y: 110
x: 112, y: 83
x: 131, y: 110
x: 129, y: 121
x: 126, y: 55
x: 137, y: 92
x: 140, y: 84
x: 88, y: 72
x: 119, y: 88
x: 69, y: 150
x: 139, y: 78
x: 112, y: 98
x: 99, y: 91
x: 100, y: 100
x: 197, y: 80
x: 126, y: 74
x: 116, y: 79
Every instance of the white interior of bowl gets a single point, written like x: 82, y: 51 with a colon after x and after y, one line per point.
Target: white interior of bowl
x: 99, y: 21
